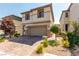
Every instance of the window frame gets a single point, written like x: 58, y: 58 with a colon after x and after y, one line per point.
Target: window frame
x: 40, y: 13
x: 66, y: 14
x: 27, y: 16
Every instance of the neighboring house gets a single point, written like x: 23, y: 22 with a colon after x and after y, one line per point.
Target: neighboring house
x: 17, y: 22
x: 37, y: 21
x: 1, y: 31
x: 68, y: 16
x: 64, y: 20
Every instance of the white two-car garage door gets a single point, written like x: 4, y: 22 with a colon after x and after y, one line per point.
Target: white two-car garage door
x: 38, y: 30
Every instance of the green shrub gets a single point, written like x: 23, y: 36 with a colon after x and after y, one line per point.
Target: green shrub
x: 45, y: 42
x: 66, y: 43
x: 2, y: 39
x: 53, y: 42
x: 39, y: 49
x: 54, y: 29
x: 72, y: 39
x: 64, y: 35
x: 65, y: 40
x: 16, y: 35
x: 77, y: 40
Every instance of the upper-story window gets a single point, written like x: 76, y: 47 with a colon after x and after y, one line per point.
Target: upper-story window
x: 40, y: 13
x: 27, y: 16
x: 66, y: 14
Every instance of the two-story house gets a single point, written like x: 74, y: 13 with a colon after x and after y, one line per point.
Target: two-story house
x: 68, y: 16
x: 16, y: 20
x: 37, y: 21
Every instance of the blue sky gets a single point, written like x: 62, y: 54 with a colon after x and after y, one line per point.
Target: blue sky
x: 58, y: 8
x: 17, y: 8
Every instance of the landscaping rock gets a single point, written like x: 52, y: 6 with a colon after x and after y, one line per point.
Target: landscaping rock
x: 58, y: 50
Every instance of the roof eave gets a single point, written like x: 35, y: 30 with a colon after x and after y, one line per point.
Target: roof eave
x: 37, y: 8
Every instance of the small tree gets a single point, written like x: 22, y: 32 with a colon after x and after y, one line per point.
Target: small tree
x: 8, y: 27
x: 54, y: 29
x: 75, y: 26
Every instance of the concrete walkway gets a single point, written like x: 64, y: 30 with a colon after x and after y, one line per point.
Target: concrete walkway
x: 15, y: 48
x: 2, y: 53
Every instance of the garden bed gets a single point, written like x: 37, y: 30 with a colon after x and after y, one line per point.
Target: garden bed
x: 56, y: 50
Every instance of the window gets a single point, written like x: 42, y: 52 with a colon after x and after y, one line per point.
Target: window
x: 40, y: 13
x: 66, y: 15
x: 66, y: 27
x: 27, y: 16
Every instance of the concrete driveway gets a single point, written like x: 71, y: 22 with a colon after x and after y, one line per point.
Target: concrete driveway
x: 29, y: 40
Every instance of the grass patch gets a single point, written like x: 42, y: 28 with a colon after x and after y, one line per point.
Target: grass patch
x: 53, y: 42
x: 16, y: 35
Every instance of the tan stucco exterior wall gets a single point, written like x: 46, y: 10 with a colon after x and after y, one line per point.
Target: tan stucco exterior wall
x: 66, y: 20
x: 34, y: 18
x: 62, y: 21
x: 73, y: 16
x: 18, y: 25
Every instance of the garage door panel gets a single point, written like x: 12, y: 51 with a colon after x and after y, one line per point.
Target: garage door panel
x: 38, y: 30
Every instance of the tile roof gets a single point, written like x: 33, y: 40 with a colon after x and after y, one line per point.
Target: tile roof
x: 14, y: 17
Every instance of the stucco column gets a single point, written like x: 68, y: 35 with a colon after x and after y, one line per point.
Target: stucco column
x: 23, y: 29
x: 48, y: 31
x: 26, y: 30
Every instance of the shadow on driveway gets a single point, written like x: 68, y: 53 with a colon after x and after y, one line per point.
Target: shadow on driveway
x: 29, y: 40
